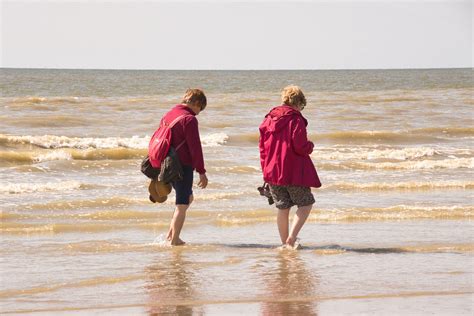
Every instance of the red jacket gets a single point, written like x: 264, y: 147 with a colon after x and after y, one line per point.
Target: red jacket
x: 285, y: 149
x: 190, y: 154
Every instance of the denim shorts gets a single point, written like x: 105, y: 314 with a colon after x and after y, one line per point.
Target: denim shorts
x: 286, y: 196
x: 184, y: 188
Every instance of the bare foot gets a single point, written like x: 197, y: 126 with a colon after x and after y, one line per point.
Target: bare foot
x: 179, y: 242
x: 293, y: 243
x: 297, y: 245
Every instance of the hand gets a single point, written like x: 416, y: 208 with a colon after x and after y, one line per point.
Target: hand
x: 202, y: 181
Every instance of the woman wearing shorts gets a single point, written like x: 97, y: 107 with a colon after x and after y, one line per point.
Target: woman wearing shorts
x: 286, y: 164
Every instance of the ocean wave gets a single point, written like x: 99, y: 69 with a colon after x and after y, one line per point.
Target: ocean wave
x: 417, y: 135
x: 410, y: 136
x: 455, y: 163
x: 105, y: 202
x: 19, y: 188
x: 134, y: 142
x: 329, y: 158
x: 349, y: 153
x: 219, y: 139
x: 119, y: 220
x: 51, y: 156
x: 105, y: 246
x: 214, y: 140
x: 55, y: 142
x: 42, y: 100
x: 219, y: 196
x: 413, y: 185
x: 72, y: 154
x: 244, y: 138
x: 398, y: 212
x: 388, y: 153
x: 363, y: 99
x: 236, y: 169
x: 87, y: 227
x: 452, y: 163
x: 452, y: 131
x: 112, y: 215
x: 50, y: 121
x: 386, y: 137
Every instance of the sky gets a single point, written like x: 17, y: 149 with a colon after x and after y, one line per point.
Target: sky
x: 229, y: 34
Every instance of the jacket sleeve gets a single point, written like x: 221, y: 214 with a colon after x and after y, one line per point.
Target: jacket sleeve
x: 261, y: 147
x: 301, y: 145
x: 194, y: 144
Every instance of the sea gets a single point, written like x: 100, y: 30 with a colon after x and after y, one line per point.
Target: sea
x: 391, y: 231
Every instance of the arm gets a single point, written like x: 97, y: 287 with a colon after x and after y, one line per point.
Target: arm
x: 301, y: 145
x: 261, y: 147
x: 194, y: 144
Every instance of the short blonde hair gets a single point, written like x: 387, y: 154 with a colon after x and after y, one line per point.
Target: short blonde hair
x: 293, y: 96
x: 195, y: 96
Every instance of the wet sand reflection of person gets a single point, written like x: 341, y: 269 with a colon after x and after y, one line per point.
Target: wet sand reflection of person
x: 170, y: 286
x: 289, y: 285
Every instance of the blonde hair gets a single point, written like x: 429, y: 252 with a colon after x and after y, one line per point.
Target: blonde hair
x: 293, y: 96
x: 195, y: 96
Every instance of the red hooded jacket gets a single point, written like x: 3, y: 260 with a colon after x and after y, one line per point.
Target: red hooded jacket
x: 190, y: 154
x: 285, y: 149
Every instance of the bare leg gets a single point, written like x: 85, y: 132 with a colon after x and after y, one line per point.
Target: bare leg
x: 282, y: 222
x: 298, y: 221
x: 177, y: 223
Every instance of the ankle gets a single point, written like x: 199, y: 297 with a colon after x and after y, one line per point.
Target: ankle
x: 291, y: 241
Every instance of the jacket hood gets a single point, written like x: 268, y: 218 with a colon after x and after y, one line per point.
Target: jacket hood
x: 280, y: 116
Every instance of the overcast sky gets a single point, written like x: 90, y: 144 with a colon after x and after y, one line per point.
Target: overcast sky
x: 236, y: 34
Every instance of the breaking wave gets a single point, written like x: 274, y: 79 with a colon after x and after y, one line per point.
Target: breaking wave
x: 134, y: 142
x: 17, y: 188
x: 72, y: 154
x: 214, y: 140
x: 54, y: 142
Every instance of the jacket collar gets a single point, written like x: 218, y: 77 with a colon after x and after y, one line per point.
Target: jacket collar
x: 282, y: 111
x: 184, y: 107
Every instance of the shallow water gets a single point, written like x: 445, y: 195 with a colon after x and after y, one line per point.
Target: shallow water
x: 391, y: 231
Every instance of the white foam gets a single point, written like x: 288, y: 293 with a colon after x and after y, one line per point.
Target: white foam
x: 214, y: 140
x: 372, y: 154
x: 161, y: 241
x: 18, y: 188
x: 52, y: 141
x: 135, y: 142
x: 424, y: 164
x: 54, y: 155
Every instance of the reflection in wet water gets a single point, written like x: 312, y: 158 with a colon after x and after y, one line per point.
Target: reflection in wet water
x: 170, y: 284
x: 288, y: 284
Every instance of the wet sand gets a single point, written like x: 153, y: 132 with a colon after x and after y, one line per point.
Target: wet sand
x: 369, y: 268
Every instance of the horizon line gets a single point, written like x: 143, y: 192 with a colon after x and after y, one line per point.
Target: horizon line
x: 281, y: 69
